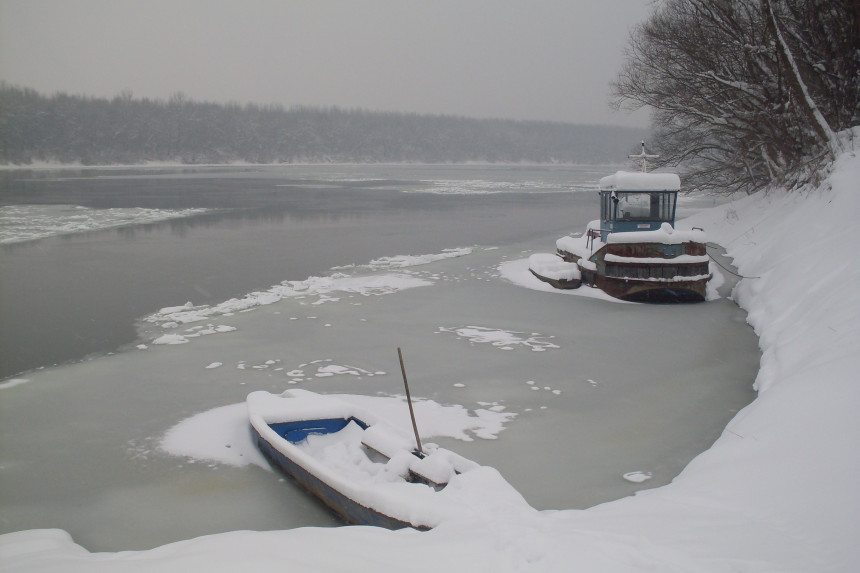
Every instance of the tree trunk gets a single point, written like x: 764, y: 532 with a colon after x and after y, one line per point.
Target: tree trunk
x: 814, y: 115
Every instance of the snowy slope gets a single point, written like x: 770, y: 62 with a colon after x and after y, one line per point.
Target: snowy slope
x: 774, y: 493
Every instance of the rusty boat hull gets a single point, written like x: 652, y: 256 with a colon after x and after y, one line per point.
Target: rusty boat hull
x: 647, y: 272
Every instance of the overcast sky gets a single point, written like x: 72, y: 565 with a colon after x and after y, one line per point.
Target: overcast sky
x: 517, y: 59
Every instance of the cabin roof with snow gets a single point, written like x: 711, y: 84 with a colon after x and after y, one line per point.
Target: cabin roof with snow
x: 628, y: 181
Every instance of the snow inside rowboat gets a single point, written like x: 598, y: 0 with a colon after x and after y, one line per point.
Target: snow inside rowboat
x: 370, y: 462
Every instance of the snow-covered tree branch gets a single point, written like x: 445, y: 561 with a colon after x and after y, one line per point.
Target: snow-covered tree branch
x: 745, y: 92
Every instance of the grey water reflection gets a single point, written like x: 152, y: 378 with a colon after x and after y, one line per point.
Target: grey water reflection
x: 63, y: 298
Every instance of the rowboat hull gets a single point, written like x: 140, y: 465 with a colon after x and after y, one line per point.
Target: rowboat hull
x: 347, y: 509
x: 362, y: 468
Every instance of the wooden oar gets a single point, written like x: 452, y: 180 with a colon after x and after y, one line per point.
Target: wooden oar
x: 409, y: 400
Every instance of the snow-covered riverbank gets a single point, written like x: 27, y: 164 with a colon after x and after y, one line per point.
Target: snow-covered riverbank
x: 774, y: 493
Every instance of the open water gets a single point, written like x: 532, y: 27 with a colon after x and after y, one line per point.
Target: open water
x: 621, y: 387
x: 68, y: 296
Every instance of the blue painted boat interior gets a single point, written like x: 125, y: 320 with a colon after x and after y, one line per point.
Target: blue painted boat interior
x: 298, y: 431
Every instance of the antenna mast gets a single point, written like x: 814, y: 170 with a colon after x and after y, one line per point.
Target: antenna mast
x: 644, y: 157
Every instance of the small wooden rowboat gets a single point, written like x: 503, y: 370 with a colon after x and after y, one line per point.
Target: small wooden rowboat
x: 365, y: 470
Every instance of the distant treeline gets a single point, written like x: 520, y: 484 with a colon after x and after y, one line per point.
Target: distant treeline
x: 124, y: 130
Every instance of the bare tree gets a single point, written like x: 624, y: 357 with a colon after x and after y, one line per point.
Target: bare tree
x: 745, y: 92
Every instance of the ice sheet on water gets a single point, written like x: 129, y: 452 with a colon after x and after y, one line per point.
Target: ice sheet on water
x: 637, y: 476
x: 19, y: 223
x: 484, y: 187
x: 502, y: 339
x: 170, y: 339
x: 318, y: 289
x: 12, y: 382
x: 402, y: 261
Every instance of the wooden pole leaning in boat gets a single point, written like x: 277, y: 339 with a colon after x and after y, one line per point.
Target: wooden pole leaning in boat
x: 409, y: 401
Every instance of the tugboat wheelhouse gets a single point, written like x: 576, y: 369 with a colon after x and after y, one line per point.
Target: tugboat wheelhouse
x: 627, y: 204
x: 633, y: 252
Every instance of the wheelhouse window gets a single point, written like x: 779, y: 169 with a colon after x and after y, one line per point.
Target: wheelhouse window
x: 638, y: 206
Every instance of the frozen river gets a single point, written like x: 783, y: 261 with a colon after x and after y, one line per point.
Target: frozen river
x: 260, y: 226
x: 597, y: 389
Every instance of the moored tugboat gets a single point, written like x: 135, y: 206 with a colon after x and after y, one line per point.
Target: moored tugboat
x: 633, y: 252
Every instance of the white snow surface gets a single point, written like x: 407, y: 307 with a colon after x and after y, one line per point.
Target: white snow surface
x: 775, y: 492
x: 554, y: 267
x: 517, y: 272
x: 580, y: 244
x: 339, y: 461
x: 665, y: 234
x: 221, y: 434
x: 638, y: 181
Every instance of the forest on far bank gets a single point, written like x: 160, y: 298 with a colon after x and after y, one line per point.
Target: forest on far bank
x: 125, y: 130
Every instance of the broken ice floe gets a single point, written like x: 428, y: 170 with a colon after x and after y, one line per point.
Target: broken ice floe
x: 637, y: 476
x: 502, y: 339
x: 319, y: 287
x: 19, y: 223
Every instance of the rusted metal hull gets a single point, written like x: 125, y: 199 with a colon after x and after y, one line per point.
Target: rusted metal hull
x: 644, y: 291
x: 648, y: 272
